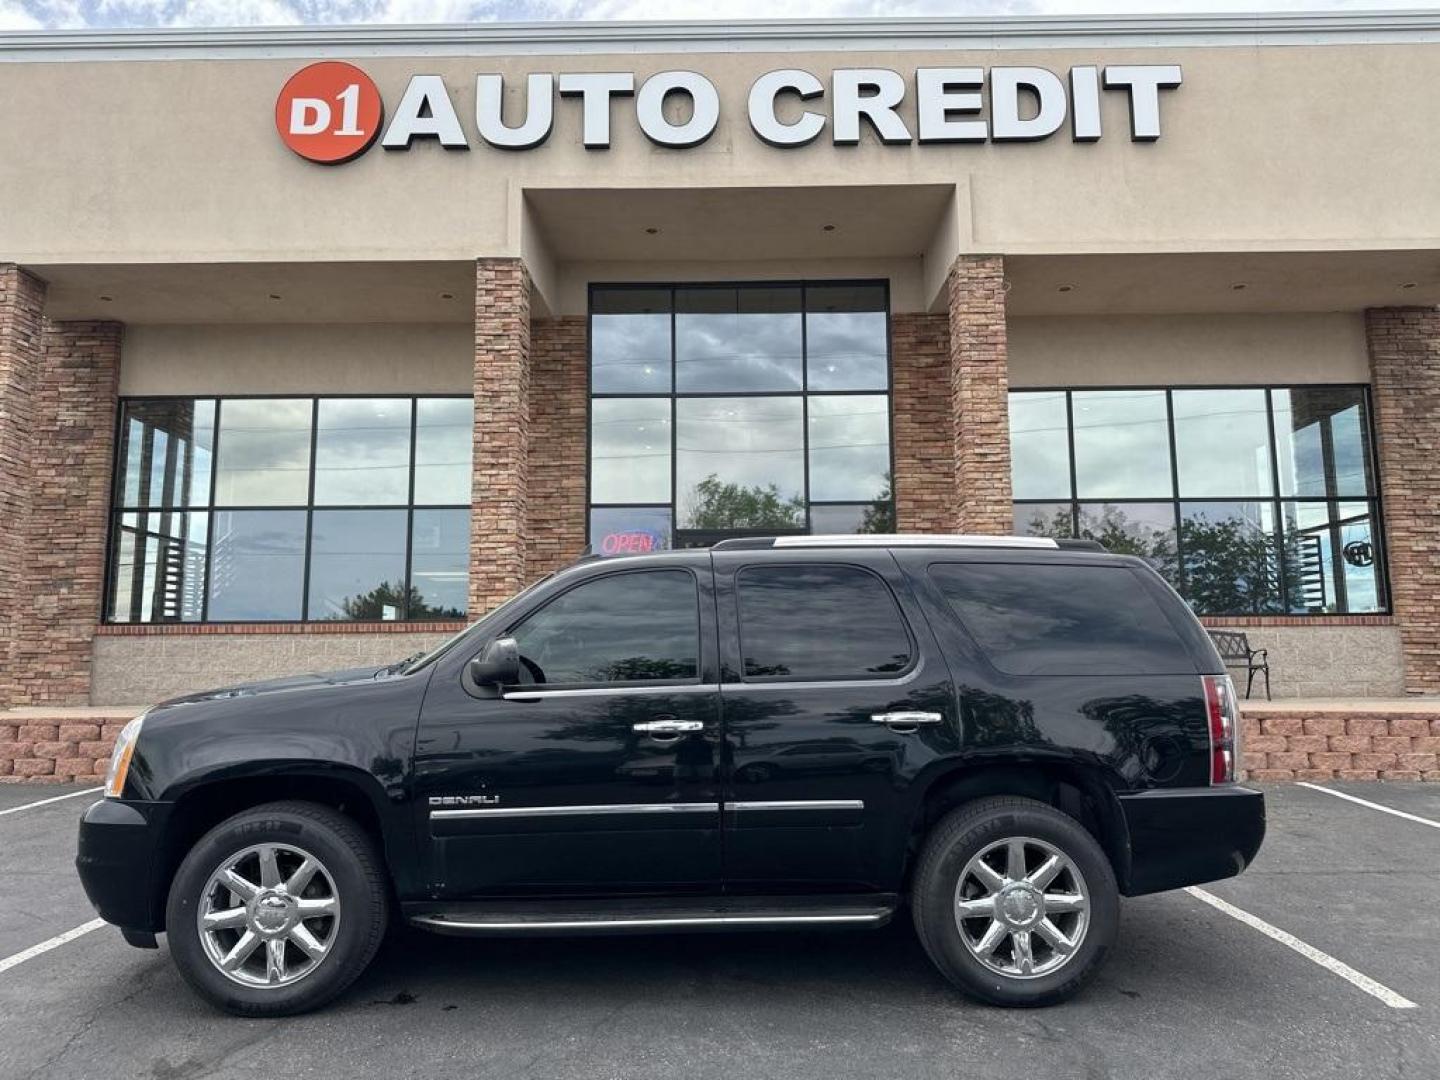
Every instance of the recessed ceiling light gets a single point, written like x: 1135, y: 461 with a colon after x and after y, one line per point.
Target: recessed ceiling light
x: 651, y: 229
x: 106, y: 299
x: 1238, y: 286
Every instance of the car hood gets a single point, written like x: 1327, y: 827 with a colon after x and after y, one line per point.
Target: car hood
x: 289, y: 682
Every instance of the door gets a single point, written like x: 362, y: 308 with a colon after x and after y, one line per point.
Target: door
x: 834, y: 698
x: 596, y: 774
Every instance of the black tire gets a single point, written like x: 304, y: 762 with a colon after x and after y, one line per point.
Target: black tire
x: 950, y: 846
x: 352, y: 863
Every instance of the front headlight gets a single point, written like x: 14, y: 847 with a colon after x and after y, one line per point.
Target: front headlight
x: 120, y: 757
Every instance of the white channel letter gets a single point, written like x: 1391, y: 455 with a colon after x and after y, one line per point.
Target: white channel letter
x: 884, y: 90
x: 1085, y: 104
x: 704, y: 108
x: 539, y: 111
x: 425, y: 94
x: 1006, y: 124
x: 1144, y: 81
x: 595, y: 89
x: 349, y: 99
x: 761, y: 107
x: 301, y: 111
x: 942, y: 93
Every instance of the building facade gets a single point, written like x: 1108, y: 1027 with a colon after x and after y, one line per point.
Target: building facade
x: 315, y: 344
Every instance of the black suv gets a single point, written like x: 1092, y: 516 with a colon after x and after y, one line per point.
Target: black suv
x: 1007, y: 733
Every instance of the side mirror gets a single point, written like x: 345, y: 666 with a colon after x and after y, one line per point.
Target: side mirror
x: 498, y: 665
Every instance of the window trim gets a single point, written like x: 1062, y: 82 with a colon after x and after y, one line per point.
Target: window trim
x: 673, y: 395
x: 619, y: 684
x: 1278, y: 501
x: 770, y: 680
x: 116, y: 508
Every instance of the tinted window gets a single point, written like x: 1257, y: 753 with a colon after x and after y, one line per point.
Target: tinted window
x: 257, y: 564
x: 1062, y: 620
x: 264, y: 456
x: 621, y: 628
x: 362, y: 451
x: 819, y: 622
x: 357, y: 565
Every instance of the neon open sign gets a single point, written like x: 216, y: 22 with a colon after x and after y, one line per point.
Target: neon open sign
x: 634, y: 542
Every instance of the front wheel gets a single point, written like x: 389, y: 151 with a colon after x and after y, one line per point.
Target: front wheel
x: 1015, y: 902
x: 277, y: 910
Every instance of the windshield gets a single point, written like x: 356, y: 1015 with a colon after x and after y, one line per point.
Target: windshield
x: 445, y: 646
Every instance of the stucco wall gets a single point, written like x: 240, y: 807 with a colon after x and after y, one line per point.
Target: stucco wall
x: 146, y: 669
x: 279, y: 358
x: 1175, y: 350
x: 121, y: 161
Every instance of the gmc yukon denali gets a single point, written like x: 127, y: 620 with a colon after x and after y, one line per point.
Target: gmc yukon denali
x: 1004, y: 735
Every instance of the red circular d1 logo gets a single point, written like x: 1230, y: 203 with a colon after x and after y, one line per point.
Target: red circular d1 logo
x: 329, y: 112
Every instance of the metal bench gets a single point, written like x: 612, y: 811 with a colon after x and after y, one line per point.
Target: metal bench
x: 1234, y: 648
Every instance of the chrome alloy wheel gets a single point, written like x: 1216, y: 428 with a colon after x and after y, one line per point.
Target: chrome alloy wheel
x: 1022, y: 907
x: 268, y: 915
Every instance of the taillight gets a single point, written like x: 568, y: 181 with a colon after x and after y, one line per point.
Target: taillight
x: 1223, y: 713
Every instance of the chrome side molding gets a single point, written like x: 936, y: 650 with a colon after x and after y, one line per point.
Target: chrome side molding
x: 645, y: 808
x: 573, y: 811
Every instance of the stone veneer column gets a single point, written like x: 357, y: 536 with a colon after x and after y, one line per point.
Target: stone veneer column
x: 502, y: 433
x: 1404, y: 346
x: 556, y: 530
x: 63, y: 568
x: 22, y: 306
x: 979, y: 390
x: 924, y: 435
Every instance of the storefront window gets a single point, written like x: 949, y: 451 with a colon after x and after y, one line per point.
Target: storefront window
x: 288, y: 509
x: 725, y: 410
x: 1250, y: 500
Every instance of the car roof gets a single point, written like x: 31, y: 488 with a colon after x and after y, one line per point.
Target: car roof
x: 868, y: 541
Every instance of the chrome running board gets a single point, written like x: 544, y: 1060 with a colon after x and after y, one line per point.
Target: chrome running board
x: 651, y: 916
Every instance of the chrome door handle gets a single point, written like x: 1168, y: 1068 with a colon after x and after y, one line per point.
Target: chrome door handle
x: 669, y: 727
x: 907, y: 719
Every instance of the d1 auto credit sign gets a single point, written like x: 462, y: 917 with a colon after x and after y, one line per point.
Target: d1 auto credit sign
x: 331, y: 112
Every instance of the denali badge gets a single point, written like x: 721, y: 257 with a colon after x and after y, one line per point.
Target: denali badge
x: 464, y: 800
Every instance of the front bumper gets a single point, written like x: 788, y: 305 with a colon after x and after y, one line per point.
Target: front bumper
x: 119, y: 862
x: 1187, y: 836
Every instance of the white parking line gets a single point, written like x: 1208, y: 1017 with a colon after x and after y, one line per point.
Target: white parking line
x: 1325, y: 960
x: 45, y: 946
x: 46, y: 802
x: 1371, y: 805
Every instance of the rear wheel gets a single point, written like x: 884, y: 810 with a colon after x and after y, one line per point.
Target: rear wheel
x: 277, y: 910
x: 1015, y: 902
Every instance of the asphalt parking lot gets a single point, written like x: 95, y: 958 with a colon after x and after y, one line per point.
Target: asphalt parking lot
x: 1192, y: 990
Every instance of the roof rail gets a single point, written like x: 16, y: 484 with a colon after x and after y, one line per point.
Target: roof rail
x: 889, y: 540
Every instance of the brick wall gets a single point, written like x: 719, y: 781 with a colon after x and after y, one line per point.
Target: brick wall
x: 59, y: 747
x: 1355, y: 744
x: 502, y: 432
x: 979, y: 388
x: 555, y: 528
x: 1404, y: 348
x: 22, y: 304
x: 63, y: 566
x: 924, y: 439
